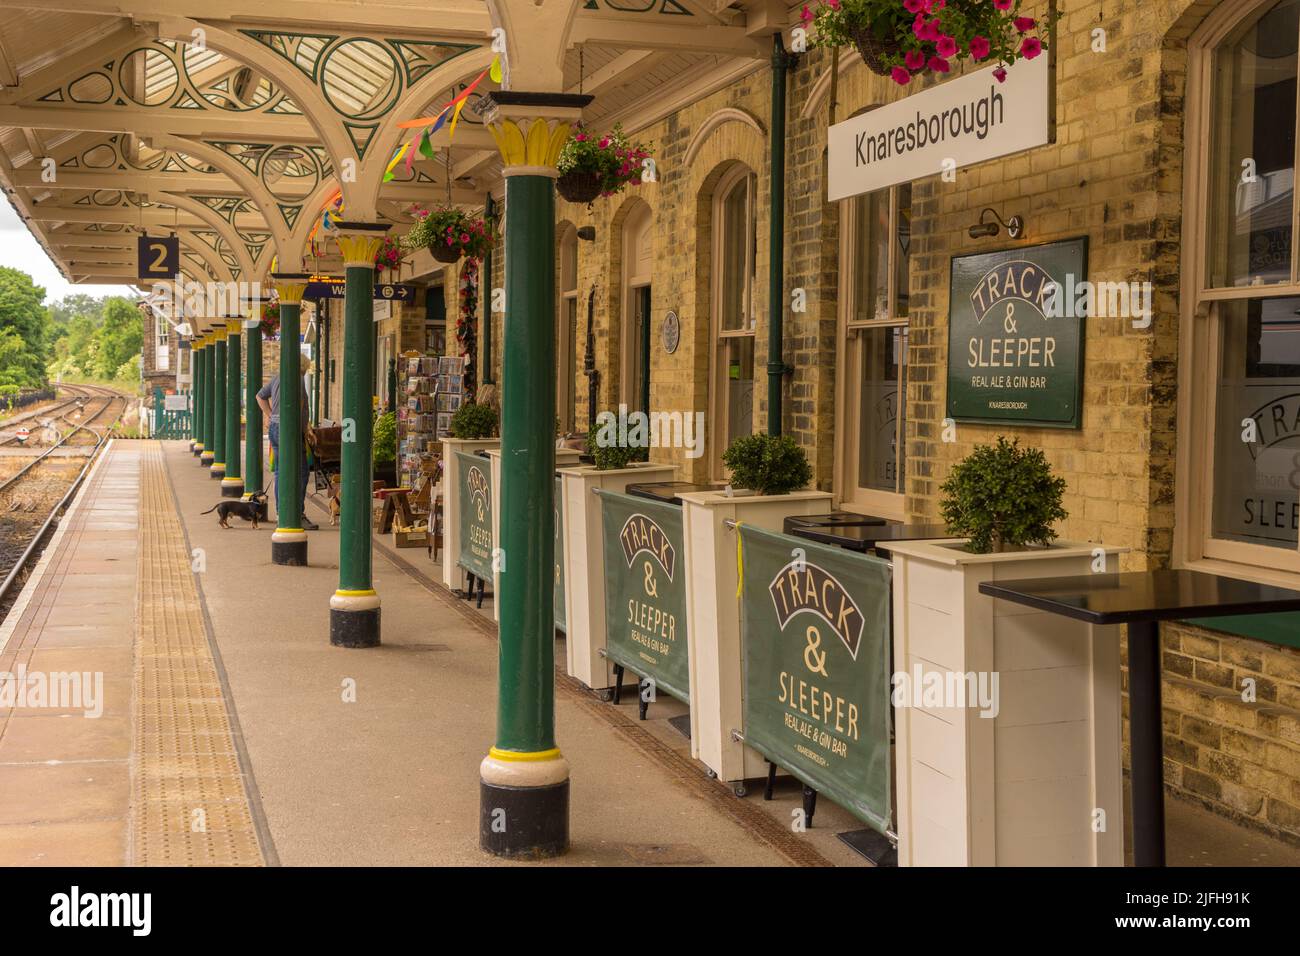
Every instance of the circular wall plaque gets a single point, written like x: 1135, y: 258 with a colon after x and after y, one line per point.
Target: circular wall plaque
x: 671, y: 332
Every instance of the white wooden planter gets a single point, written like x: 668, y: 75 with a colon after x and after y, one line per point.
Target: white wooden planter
x: 453, y: 576
x: 584, y: 575
x: 1021, y: 788
x: 564, y: 458
x: 713, y: 617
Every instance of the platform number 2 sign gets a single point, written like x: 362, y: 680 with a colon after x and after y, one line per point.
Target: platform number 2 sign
x: 158, y: 257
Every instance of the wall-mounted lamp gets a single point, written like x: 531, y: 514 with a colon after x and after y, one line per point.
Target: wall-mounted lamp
x: 1015, y: 226
x: 587, y: 233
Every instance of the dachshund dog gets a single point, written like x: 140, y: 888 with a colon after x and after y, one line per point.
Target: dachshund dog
x: 334, y: 502
x: 250, y: 509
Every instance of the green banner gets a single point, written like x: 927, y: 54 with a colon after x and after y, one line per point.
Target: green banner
x: 559, y: 557
x: 1015, y: 335
x: 815, y: 643
x: 475, y: 477
x: 645, y: 590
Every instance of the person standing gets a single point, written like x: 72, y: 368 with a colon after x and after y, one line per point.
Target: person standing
x: 269, y: 400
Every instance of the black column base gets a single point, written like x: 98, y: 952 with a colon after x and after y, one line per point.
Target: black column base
x: 217, y: 473
x: 354, y: 628
x: 231, y: 490
x: 205, y: 459
x: 530, y: 823
x: 292, y: 553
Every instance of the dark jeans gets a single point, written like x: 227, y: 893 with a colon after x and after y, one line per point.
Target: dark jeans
x: 274, y: 433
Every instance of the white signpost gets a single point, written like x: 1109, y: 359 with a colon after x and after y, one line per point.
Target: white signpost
x: 957, y: 123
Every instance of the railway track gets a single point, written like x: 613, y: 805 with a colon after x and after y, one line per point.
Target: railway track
x: 79, y: 396
x: 34, y: 495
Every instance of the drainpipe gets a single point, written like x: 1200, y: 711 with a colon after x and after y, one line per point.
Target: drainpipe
x: 485, y: 286
x: 776, y: 367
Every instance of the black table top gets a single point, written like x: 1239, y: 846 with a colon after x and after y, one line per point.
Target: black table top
x: 836, y: 519
x: 1133, y: 596
x: 859, y: 537
x: 667, y: 491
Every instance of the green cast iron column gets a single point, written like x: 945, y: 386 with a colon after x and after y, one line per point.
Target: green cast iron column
x: 354, y: 608
x: 218, y: 469
x: 315, y: 378
x: 253, y: 482
x: 524, y: 780
x: 209, y: 445
x: 198, y: 360
x: 289, y: 542
x: 232, y: 485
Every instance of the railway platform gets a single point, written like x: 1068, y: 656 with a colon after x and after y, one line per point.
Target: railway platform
x: 213, y: 723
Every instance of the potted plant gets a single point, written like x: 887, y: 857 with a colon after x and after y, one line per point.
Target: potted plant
x: 592, y: 165
x: 449, y: 234
x: 583, y: 543
x: 1003, y: 497
x: 474, y: 421
x: 384, y: 453
x: 906, y: 38
x: 767, y: 464
x: 772, y: 473
x: 1058, y: 718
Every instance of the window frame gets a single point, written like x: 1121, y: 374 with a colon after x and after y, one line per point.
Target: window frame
x: 849, y: 495
x: 738, y: 176
x: 1199, y: 347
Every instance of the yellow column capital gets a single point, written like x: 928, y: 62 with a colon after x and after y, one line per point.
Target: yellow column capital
x: 233, y: 326
x: 291, y: 286
x: 530, y: 129
x: 359, y: 242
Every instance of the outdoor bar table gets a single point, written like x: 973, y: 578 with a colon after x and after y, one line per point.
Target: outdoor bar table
x: 872, y: 537
x: 669, y: 492
x: 1142, y: 599
x: 836, y: 519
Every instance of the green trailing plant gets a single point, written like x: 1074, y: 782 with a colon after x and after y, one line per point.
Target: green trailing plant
x: 1003, y: 496
x: 385, y: 438
x: 610, y: 457
x: 613, y: 160
x: 473, y: 420
x: 767, y: 464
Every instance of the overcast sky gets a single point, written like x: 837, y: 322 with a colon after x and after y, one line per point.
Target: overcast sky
x: 20, y: 251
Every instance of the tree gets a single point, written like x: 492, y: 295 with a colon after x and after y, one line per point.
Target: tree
x: 22, y: 312
x: 117, y: 340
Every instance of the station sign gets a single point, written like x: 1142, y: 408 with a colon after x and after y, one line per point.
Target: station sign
x: 959, y: 122
x: 157, y: 257
x: 815, y: 642
x: 475, y: 477
x: 1016, y: 336
x: 645, y: 590
x: 335, y: 287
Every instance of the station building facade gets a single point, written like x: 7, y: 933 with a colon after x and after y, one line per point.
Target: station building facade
x: 1173, y: 156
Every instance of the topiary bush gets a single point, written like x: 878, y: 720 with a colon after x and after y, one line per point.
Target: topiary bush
x: 609, y: 457
x: 473, y: 420
x: 767, y: 464
x: 1003, y: 496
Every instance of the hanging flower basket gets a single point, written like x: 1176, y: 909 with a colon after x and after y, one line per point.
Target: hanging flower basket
x: 270, y: 321
x: 450, y: 234
x: 592, y: 166
x: 906, y: 38
x: 579, y: 185
x: 390, y: 255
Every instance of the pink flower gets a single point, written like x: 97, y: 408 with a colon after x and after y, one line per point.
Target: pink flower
x: 1024, y: 23
x: 833, y: 4
x: 464, y: 237
x: 1002, y: 4
x: 914, y: 59
x: 604, y: 142
x: 1031, y: 47
x: 979, y: 47
x: 806, y: 15
x: 581, y: 137
x: 916, y: 6
x: 946, y: 47
x: 900, y: 76
x: 1000, y: 74
x: 939, y: 64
